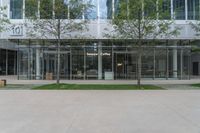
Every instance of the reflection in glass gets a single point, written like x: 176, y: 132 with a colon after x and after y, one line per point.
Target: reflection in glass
x: 179, y: 9
x: 105, y: 9
x: 16, y: 9
x: 193, y: 9
x: 92, y: 12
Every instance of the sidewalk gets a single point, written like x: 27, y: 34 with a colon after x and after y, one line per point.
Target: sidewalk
x: 170, y: 111
x: 13, y: 80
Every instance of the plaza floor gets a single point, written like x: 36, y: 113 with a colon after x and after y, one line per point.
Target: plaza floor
x: 166, y: 111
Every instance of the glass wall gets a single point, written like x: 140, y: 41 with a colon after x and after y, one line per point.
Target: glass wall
x: 16, y: 9
x: 102, y: 60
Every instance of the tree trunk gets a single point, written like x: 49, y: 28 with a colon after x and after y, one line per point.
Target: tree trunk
x: 58, y: 63
x: 58, y: 54
x: 139, y: 67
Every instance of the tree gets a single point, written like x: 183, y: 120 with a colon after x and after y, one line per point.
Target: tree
x: 4, y: 21
x: 57, y: 19
x: 196, y: 26
x: 141, y: 20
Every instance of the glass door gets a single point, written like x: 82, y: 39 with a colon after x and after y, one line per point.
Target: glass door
x: 50, y: 65
x: 125, y: 66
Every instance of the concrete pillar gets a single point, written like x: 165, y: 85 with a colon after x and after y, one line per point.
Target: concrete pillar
x: 100, y: 61
x: 38, y: 69
x: 175, y: 60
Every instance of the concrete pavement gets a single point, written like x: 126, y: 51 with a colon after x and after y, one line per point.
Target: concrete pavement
x: 13, y: 80
x: 168, y: 111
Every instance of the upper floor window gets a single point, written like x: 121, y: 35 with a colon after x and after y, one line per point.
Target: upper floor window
x: 16, y: 9
x: 46, y: 9
x: 105, y: 9
x: 31, y: 8
x: 179, y: 9
x: 165, y: 10
x: 193, y: 9
x: 91, y: 13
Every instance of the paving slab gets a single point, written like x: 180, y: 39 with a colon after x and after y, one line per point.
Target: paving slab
x: 166, y: 111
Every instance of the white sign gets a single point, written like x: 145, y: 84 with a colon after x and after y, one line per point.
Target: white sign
x: 17, y: 30
x: 95, y: 54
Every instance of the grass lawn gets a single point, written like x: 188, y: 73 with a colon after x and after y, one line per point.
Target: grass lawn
x: 196, y: 85
x: 95, y: 87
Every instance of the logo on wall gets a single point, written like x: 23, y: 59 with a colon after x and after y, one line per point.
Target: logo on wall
x: 17, y: 30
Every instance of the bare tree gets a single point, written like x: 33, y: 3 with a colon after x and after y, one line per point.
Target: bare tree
x: 57, y: 19
x: 141, y: 20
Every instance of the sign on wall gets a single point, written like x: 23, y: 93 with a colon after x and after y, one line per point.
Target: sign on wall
x: 17, y: 30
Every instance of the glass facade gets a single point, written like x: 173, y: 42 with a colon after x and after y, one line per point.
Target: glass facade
x: 102, y: 9
x: 103, y: 60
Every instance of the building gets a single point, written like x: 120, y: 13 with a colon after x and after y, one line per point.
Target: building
x: 99, y: 58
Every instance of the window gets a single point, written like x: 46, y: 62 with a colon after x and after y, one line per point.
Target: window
x: 61, y: 9
x: 92, y: 12
x: 193, y: 9
x: 16, y: 9
x: 31, y: 8
x: 165, y: 9
x: 46, y: 9
x: 105, y: 9
x: 179, y: 9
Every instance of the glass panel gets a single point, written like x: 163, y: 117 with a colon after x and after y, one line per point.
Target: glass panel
x: 2, y: 62
x: 193, y: 9
x: 78, y: 63
x: 92, y: 12
x: 105, y: 9
x: 46, y: 9
x: 23, y: 63
x: 16, y: 9
x: 160, y: 63
x: 61, y: 9
x: 31, y: 8
x: 106, y: 60
x: 92, y: 61
x: 165, y: 9
x: 186, y: 63
x: 11, y: 62
x: 76, y: 9
x: 179, y: 9
x: 148, y: 63
x: 116, y: 6
x: 120, y: 65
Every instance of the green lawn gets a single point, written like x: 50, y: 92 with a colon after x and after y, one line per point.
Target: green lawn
x: 196, y: 85
x: 95, y: 87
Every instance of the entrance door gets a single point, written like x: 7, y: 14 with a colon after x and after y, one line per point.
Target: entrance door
x: 50, y: 65
x: 125, y: 66
x: 195, y: 68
